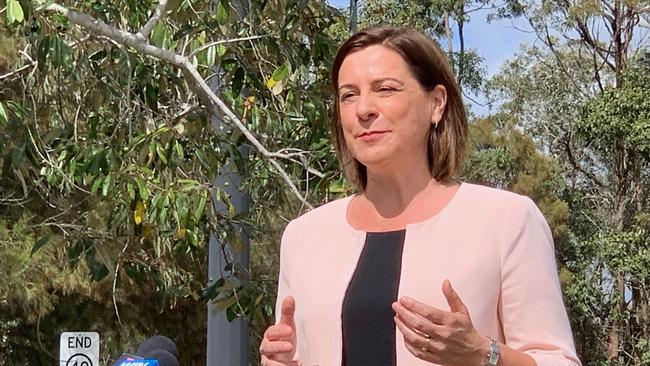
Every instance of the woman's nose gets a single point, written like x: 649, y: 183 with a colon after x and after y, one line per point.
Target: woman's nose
x: 366, y: 108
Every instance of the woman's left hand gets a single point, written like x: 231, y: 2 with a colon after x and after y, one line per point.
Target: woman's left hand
x: 438, y: 336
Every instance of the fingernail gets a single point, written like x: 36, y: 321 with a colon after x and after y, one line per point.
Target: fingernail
x: 394, y: 306
x: 406, y: 301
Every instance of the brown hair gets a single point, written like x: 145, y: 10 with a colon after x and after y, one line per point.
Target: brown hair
x: 428, y: 64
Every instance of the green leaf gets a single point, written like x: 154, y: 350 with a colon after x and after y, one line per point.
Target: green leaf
x: 229, y: 64
x: 201, y: 156
x: 4, y: 119
x: 161, y: 153
x: 156, y: 200
x: 210, y: 56
x: 16, y: 108
x: 96, y: 184
x: 201, y: 207
x: 151, y: 96
x: 179, y: 150
x: 131, y: 190
x: 94, y: 122
x: 142, y: 189
x: 162, y: 218
x: 106, y: 185
x: 160, y: 35
x: 40, y: 243
x: 221, y: 50
x: 222, y: 13
x: 182, y: 209
x: 14, y: 12
x: 280, y: 73
x: 60, y: 55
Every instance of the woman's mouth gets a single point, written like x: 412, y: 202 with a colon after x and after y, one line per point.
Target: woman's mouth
x: 371, y: 135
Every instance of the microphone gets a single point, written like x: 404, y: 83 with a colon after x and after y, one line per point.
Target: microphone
x: 164, y: 358
x: 157, y: 342
x: 126, y: 357
x: 143, y: 362
x: 155, y: 351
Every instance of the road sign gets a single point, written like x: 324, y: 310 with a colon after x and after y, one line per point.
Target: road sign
x: 79, y: 349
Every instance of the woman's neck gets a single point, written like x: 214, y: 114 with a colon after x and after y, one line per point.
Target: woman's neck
x: 391, y: 195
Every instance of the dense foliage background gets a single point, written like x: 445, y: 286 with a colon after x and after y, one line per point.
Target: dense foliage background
x: 110, y: 144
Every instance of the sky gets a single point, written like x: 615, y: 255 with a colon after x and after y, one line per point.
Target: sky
x: 496, y: 42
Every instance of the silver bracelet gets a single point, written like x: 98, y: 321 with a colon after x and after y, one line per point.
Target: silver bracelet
x: 492, y: 357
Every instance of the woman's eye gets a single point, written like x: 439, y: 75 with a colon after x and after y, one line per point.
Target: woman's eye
x: 386, y: 89
x: 346, y: 96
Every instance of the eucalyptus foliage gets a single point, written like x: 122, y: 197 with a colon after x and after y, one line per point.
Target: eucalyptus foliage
x: 108, y: 157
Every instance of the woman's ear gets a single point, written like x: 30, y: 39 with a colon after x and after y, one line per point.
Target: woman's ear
x: 438, y: 103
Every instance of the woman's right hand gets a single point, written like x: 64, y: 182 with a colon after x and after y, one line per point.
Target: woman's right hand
x: 279, y: 344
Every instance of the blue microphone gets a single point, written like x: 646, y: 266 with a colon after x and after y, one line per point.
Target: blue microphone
x: 155, y: 351
x: 142, y: 362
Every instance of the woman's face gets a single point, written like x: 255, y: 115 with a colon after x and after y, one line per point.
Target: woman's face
x: 385, y: 113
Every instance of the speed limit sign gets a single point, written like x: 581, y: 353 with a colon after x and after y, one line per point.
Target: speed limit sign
x: 79, y: 349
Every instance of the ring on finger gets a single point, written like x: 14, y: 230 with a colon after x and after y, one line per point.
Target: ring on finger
x: 425, y: 348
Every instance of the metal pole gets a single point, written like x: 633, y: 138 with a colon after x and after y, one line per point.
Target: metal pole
x: 227, y: 342
x: 353, y: 16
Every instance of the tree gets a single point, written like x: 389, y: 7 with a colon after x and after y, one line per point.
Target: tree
x: 438, y: 19
x: 566, y: 92
x: 502, y: 156
x: 107, y: 155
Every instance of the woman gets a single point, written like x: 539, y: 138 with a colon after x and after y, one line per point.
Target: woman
x: 417, y: 268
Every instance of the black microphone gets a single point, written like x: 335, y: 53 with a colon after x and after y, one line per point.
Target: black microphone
x: 157, y: 342
x: 164, y: 358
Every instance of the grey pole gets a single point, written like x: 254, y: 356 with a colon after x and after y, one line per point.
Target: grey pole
x: 227, y: 342
x: 353, y: 16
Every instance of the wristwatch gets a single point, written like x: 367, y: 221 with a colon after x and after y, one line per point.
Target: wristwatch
x: 492, y: 357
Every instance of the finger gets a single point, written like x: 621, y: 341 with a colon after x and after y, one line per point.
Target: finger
x: 411, y: 336
x: 280, y: 332
x: 269, y: 348
x: 455, y: 303
x: 414, y: 321
x: 288, y: 311
x: 426, y: 356
x: 417, y: 347
x: 435, y: 315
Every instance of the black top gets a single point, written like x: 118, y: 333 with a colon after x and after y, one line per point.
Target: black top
x: 367, y: 316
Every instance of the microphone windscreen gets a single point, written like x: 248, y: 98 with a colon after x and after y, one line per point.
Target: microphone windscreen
x: 164, y: 358
x: 157, y: 342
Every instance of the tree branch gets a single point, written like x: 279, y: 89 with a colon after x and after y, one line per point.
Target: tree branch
x: 32, y: 64
x: 196, y: 82
x: 155, y: 18
x: 549, y: 42
x: 577, y: 166
x: 17, y: 71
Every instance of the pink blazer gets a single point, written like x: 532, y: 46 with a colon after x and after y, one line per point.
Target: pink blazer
x: 494, y: 246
